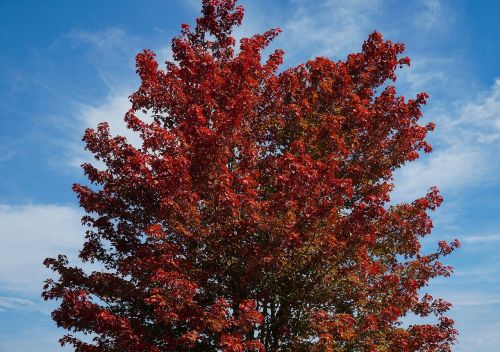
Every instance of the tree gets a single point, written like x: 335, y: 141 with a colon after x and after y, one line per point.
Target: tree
x: 256, y: 215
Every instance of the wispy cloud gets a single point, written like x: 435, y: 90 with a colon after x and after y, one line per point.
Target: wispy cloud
x: 111, y: 53
x: 448, y: 169
x: 30, y: 233
x: 475, y: 311
x: 112, y: 110
x: 195, y: 5
x: 465, y: 298
x: 332, y: 27
x: 467, y: 141
x: 426, y: 72
x: 15, y: 303
x: 481, y: 239
x: 430, y: 14
x: 33, y: 336
x: 7, y: 152
x: 481, y: 337
x: 482, y: 116
x: 108, y: 41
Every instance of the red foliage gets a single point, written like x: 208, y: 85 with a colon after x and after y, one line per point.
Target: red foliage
x: 255, y: 215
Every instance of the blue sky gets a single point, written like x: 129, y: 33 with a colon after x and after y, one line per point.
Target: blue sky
x: 65, y: 66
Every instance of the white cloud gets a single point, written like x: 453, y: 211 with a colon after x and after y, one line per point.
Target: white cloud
x: 448, y: 169
x: 483, y: 337
x: 481, y: 239
x: 475, y: 311
x: 467, y: 149
x: 426, y: 72
x: 15, y: 303
x: 482, y: 116
x: 195, y: 5
x: 109, y: 41
x: 7, y: 152
x: 112, y: 110
x: 483, y: 272
x: 463, y: 298
x: 111, y: 53
x: 430, y: 15
x: 332, y: 27
x: 33, y: 337
x: 30, y: 233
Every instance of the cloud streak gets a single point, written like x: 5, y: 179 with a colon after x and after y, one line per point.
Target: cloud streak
x: 329, y: 28
x: 481, y: 239
x: 430, y: 15
x: 30, y: 233
x: 467, y: 142
x: 14, y: 303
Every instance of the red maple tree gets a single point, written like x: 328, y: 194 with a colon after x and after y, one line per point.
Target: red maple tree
x: 255, y: 215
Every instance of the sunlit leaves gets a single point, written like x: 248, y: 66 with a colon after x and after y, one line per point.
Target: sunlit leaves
x: 255, y: 215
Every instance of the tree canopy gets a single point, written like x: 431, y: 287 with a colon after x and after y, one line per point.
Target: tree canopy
x: 256, y: 215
